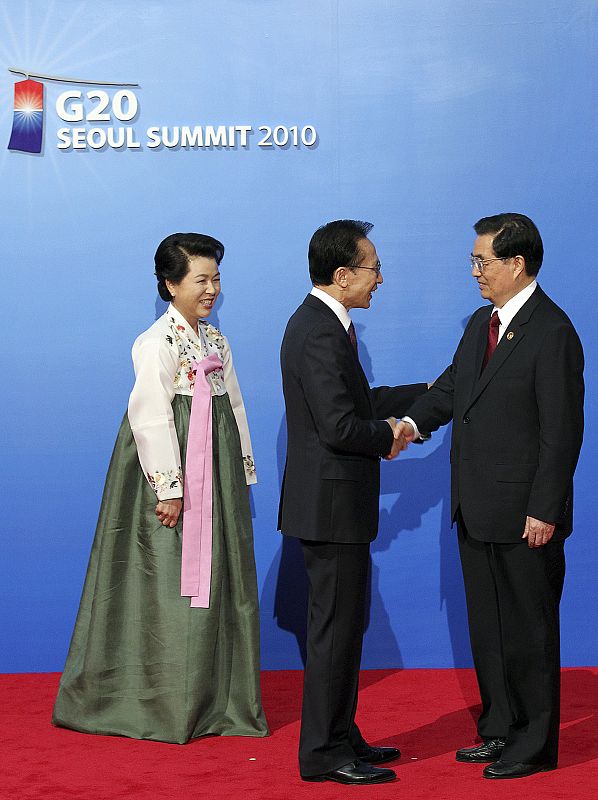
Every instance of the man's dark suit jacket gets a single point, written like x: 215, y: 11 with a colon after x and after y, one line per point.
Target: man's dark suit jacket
x: 336, y: 431
x: 517, y: 426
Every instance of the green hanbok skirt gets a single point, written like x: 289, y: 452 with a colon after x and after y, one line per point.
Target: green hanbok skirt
x: 142, y: 663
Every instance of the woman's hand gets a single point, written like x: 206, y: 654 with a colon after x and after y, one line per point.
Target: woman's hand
x: 168, y: 511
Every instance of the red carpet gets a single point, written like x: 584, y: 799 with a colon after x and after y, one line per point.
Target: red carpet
x: 427, y: 713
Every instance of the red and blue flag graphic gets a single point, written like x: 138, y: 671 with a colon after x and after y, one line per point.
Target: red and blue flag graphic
x: 28, y: 119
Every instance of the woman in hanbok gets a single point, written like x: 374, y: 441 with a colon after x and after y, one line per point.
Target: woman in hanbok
x: 166, y: 642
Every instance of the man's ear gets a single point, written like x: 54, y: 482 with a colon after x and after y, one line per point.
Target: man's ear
x: 339, y: 277
x: 518, y: 265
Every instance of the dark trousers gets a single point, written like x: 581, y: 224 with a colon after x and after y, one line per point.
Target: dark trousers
x: 337, y: 576
x: 513, y: 594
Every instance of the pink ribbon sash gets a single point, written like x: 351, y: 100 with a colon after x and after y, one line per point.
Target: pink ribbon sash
x: 196, y: 563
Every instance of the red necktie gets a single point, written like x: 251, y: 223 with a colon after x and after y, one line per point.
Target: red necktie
x: 492, y: 338
x: 352, y: 337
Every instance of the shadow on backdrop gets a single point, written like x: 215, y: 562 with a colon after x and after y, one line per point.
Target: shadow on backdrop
x: 287, y: 582
x: 423, y: 483
x: 286, y: 589
x: 160, y: 307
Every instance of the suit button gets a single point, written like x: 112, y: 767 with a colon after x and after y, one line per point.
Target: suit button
x: 466, y: 420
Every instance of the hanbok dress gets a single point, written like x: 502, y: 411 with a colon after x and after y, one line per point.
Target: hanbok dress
x: 143, y: 662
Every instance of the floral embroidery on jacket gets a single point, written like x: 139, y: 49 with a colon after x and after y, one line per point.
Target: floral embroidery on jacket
x: 214, y: 335
x: 249, y: 465
x: 169, y: 479
x: 189, y: 351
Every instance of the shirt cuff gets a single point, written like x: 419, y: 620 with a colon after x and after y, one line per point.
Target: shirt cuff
x: 413, y: 425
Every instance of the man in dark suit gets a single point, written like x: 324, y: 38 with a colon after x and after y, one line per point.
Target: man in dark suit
x: 338, y: 429
x: 515, y: 394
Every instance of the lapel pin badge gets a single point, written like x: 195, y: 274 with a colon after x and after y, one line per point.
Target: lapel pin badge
x: 510, y: 335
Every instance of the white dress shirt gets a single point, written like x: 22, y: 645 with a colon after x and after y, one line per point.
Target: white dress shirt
x: 333, y: 304
x: 512, y: 306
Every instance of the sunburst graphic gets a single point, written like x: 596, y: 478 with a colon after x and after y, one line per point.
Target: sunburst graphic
x: 33, y: 40
x: 28, y: 118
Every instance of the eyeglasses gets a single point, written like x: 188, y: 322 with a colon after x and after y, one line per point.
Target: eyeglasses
x: 377, y: 269
x: 480, y: 263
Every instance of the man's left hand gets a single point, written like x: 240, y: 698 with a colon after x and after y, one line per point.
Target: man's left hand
x: 536, y: 532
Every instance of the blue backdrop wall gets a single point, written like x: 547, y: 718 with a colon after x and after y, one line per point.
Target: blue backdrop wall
x: 427, y: 116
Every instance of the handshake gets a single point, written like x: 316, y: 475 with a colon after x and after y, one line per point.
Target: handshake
x: 403, y: 435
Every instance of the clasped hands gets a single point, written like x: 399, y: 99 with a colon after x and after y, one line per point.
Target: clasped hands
x: 403, y: 434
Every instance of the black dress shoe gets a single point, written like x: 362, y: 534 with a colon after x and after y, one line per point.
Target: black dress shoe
x: 354, y: 773
x: 488, y: 751
x: 502, y: 769
x: 379, y: 755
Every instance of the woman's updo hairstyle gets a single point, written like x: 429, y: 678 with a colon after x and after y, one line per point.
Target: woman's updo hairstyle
x: 172, y: 257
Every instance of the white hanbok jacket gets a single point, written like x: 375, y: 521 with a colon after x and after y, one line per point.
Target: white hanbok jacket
x: 162, y: 358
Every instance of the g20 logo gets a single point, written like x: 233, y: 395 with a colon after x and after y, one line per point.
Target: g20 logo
x: 97, y: 106
x: 28, y: 110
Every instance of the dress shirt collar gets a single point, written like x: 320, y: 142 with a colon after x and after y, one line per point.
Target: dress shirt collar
x: 333, y: 305
x: 512, y: 306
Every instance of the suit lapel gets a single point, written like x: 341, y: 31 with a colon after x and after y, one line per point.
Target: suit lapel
x: 480, y: 336
x: 314, y: 302
x: 510, y: 340
x: 474, y: 347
